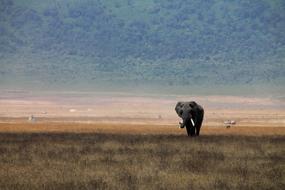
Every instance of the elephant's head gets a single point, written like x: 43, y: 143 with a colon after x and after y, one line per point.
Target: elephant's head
x: 184, y: 111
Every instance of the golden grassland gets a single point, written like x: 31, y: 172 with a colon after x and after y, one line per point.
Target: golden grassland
x: 122, y: 128
x: 123, y: 156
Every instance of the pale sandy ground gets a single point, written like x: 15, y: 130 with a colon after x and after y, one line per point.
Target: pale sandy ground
x: 124, y: 111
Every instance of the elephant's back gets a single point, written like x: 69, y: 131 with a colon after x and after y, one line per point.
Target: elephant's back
x: 199, y: 110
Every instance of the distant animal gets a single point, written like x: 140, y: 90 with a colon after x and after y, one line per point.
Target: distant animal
x: 32, y: 119
x: 192, y: 115
x: 229, y: 123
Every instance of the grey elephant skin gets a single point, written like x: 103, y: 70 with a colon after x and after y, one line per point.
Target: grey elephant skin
x: 192, y: 115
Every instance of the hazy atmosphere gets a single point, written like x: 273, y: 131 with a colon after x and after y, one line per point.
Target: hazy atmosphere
x: 142, y: 94
x: 151, y: 46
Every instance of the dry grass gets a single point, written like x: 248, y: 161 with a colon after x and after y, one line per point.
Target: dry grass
x: 41, y: 160
x: 63, y: 127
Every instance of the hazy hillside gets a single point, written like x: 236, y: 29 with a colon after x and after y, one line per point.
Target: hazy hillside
x: 180, y: 42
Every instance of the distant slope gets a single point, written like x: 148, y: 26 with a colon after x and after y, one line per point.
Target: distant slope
x: 165, y: 42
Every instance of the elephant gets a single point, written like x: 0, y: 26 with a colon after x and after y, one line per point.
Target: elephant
x: 192, y: 115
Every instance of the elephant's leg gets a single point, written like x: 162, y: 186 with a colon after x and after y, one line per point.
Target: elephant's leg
x: 198, y: 125
x: 198, y: 130
x: 190, y: 130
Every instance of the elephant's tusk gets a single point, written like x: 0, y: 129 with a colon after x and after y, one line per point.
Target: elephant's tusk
x: 192, y: 122
x: 181, y: 125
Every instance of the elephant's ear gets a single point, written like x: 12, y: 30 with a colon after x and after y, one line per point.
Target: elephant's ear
x: 179, y: 104
x: 192, y: 104
x: 176, y: 107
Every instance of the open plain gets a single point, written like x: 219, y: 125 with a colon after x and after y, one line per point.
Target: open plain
x: 135, y: 143
x: 103, y: 156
